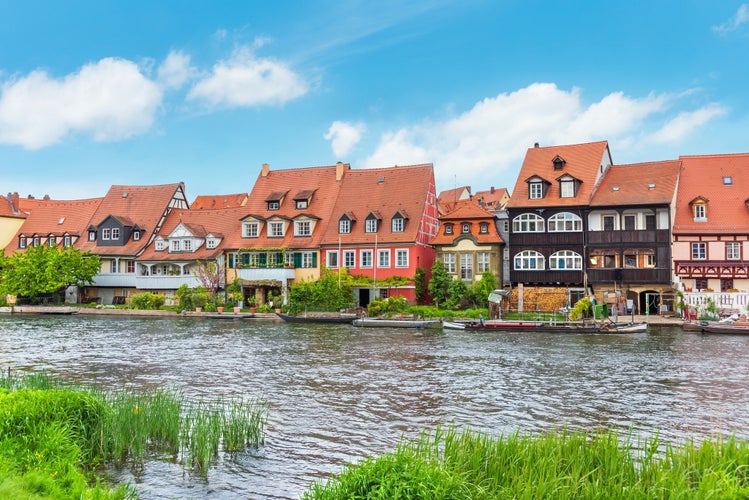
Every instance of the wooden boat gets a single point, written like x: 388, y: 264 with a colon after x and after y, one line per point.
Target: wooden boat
x: 736, y: 328
x: 397, y: 323
x: 319, y: 318
x: 538, y: 326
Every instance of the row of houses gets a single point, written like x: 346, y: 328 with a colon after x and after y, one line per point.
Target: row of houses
x: 575, y: 221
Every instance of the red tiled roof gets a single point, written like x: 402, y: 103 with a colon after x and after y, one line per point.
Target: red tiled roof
x: 468, y: 211
x: 141, y: 205
x: 447, y: 199
x: 582, y: 161
x: 702, y: 176
x: 219, y: 201
x: 492, y: 198
x: 57, y: 217
x: 384, y: 192
x: 638, y: 184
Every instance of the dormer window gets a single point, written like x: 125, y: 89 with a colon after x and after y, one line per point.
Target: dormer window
x: 115, y: 233
x: 106, y: 233
x: 302, y: 228
x: 536, y: 190
x: 275, y: 229
x: 301, y: 204
x: 567, y: 189
x: 67, y: 240
x: 727, y: 180
x: 558, y: 162
x: 250, y: 229
x: 174, y: 246
x: 398, y: 224
x: 344, y: 226
x: 370, y: 225
x: 465, y: 228
x: 136, y: 236
x: 484, y: 228
x: 700, y: 213
x: 22, y: 242
x: 51, y: 240
x: 448, y: 229
x: 92, y: 235
x: 273, y: 205
x: 160, y: 244
x: 211, y: 243
x: 274, y: 200
x: 37, y: 240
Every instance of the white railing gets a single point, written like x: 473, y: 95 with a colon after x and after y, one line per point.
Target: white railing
x: 724, y: 301
x: 269, y: 273
x: 119, y: 280
x: 166, y: 282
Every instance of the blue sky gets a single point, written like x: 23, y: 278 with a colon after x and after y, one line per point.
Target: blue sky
x: 142, y: 92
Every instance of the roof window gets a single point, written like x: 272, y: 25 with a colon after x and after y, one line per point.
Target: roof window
x: 727, y: 180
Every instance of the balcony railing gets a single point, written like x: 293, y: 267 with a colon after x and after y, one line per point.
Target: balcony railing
x: 644, y: 275
x: 118, y: 280
x: 628, y: 237
x: 168, y: 282
x: 270, y: 273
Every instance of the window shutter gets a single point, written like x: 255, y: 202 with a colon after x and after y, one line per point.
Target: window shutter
x: 262, y: 259
x: 314, y: 259
x: 297, y: 259
x: 231, y: 261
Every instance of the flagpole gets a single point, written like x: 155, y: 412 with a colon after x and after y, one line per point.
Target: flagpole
x: 339, y: 262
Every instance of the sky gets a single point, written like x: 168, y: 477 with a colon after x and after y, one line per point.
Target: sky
x: 96, y: 93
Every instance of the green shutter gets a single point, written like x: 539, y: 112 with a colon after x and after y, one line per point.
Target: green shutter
x: 231, y: 261
x: 297, y: 259
x: 262, y: 259
x: 314, y: 260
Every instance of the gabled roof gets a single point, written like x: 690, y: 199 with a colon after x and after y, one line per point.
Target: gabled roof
x: 492, y: 199
x: 272, y: 185
x: 651, y: 183
x: 447, y: 199
x: 382, y: 192
x: 467, y: 211
x: 702, y: 176
x: 219, y: 201
x: 56, y: 217
x: 584, y: 162
x: 141, y: 205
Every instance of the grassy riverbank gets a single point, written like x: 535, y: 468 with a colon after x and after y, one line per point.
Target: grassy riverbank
x: 53, y: 436
x: 449, y: 464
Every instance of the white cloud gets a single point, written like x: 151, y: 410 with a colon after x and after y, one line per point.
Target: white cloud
x: 344, y: 137
x: 489, y: 141
x: 175, y: 71
x: 685, y: 123
x: 741, y: 17
x: 110, y: 99
x: 245, y: 80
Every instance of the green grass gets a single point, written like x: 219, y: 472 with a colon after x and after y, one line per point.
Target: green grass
x: 54, y: 434
x: 448, y: 464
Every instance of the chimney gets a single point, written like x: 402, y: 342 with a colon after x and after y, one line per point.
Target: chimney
x: 492, y: 190
x: 535, y: 145
x: 46, y: 197
x: 339, y: 171
x: 265, y: 170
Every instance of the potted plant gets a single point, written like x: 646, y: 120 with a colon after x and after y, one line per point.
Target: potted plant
x: 252, y: 304
x: 236, y: 298
x: 198, y: 301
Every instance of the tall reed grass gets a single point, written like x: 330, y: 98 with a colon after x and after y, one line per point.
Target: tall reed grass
x: 467, y: 465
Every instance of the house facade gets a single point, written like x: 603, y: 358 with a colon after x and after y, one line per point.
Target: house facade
x: 11, y: 218
x: 468, y: 243
x: 381, y: 227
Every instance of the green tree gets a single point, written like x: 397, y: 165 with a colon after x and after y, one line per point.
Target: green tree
x: 329, y: 293
x: 440, y: 283
x: 41, y: 270
x: 420, y: 285
x: 481, y: 289
x: 458, y: 295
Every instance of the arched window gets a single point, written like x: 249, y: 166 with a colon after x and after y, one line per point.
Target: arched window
x: 529, y: 260
x: 567, y: 260
x: 565, y: 222
x: 528, y: 223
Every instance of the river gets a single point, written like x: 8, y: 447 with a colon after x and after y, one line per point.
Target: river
x: 337, y: 393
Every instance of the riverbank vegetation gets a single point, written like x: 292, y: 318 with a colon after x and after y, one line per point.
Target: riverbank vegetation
x: 466, y: 465
x: 54, y: 435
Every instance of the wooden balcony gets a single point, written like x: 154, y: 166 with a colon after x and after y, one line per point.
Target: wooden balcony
x: 617, y: 238
x: 647, y: 275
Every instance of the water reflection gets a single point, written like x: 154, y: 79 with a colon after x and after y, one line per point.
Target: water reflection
x: 338, y: 393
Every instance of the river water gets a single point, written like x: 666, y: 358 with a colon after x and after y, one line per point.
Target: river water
x: 338, y: 393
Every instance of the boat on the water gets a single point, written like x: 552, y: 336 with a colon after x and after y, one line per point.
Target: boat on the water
x: 319, y: 318
x: 539, y: 326
x: 397, y: 323
x: 736, y: 328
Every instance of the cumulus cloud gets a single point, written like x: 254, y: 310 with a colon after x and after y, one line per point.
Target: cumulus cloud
x: 245, y: 80
x: 493, y: 136
x: 175, y: 71
x: 110, y: 100
x: 344, y: 136
x: 741, y: 17
x: 686, y: 122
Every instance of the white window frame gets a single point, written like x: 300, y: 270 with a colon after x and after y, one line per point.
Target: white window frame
x: 383, y: 258
x: 567, y: 189
x: 274, y: 205
x: 465, y: 228
x: 365, y: 259
x: 174, y: 246
x: 276, y: 229
x: 331, y: 259
x: 733, y: 250
x: 187, y: 245
x: 529, y: 260
x: 370, y: 226
x: 398, y: 224
x: 565, y: 222
x: 344, y: 226
x: 483, y: 262
x: 301, y: 204
x: 307, y: 260
x: 22, y: 242
x: 92, y: 236
x: 136, y: 235
x: 302, y: 228
x: 115, y: 233
x: 51, y: 240
x: 401, y: 257
x: 566, y: 260
x: 466, y: 266
x: 528, y: 223
x: 349, y: 259
x: 448, y: 259
x: 211, y: 243
x: 699, y: 250
x: 106, y: 233
x: 535, y: 190
x: 67, y: 240
x: 250, y: 229
x: 700, y: 212
x: 160, y: 245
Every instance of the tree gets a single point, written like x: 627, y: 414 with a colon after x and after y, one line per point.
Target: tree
x: 42, y: 269
x: 481, y: 289
x: 211, y: 275
x: 329, y: 293
x: 420, y: 285
x: 440, y: 283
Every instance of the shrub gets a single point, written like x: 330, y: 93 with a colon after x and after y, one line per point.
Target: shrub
x: 147, y: 300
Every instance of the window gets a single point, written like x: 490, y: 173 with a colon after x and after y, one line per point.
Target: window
x: 483, y: 262
x: 308, y: 260
x: 332, y: 259
x: 344, y: 226
x: 528, y: 223
x: 136, y: 236
x: 398, y: 224
x: 565, y: 222
x: 630, y: 222
x: 529, y: 260
x: 448, y: 229
x: 649, y: 260
x: 187, y: 245
x: 567, y: 189
x: 174, y: 246
x: 449, y: 260
x: 733, y: 250
x: 130, y: 266
x: 274, y: 205
x: 371, y: 225
x: 51, y: 240
x: 302, y: 228
x: 699, y: 251
x: 67, y: 240
x: 365, y: 257
x: 566, y: 260
x: 92, y: 236
x: 401, y: 258
x: 506, y: 226
x: 106, y: 233
x: 484, y: 228
x: 465, y: 228
x: 609, y: 222
x: 700, y: 284
x: 250, y: 230
x: 211, y: 243
x: 383, y: 258
x: 349, y: 258
x: 727, y: 180
x: 113, y: 266
x: 536, y: 190
x: 160, y: 245
x: 22, y: 242
x: 37, y: 240
x: 301, y: 204
x: 115, y: 233
x: 700, y: 213
x: 466, y: 266
x: 275, y: 229
x: 650, y: 222
x: 726, y: 284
